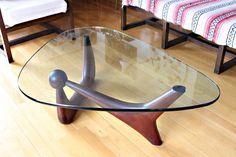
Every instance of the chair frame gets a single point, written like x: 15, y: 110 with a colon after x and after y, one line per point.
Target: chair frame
x: 220, y: 64
x: 42, y: 21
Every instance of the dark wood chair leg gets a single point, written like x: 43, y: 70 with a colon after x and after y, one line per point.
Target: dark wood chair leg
x: 220, y: 59
x: 71, y: 15
x: 124, y: 25
x: 165, y: 35
x: 71, y: 20
x: 123, y: 17
x: 144, y: 123
x: 6, y: 45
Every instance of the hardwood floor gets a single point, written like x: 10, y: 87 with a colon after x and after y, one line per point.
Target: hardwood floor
x: 31, y: 129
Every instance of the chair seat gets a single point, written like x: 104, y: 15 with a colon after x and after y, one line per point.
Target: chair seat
x: 19, y: 11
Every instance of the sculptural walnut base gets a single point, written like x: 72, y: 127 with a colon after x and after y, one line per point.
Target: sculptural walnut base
x: 143, y: 122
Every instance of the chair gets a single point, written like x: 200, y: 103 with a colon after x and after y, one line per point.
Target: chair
x: 18, y: 14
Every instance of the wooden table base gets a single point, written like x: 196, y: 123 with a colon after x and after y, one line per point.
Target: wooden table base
x: 144, y: 123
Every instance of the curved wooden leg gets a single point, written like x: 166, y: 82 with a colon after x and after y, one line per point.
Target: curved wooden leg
x: 65, y: 116
x: 56, y: 78
x: 144, y: 123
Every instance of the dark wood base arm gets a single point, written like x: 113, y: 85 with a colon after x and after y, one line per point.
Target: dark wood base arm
x: 144, y: 123
x: 66, y: 116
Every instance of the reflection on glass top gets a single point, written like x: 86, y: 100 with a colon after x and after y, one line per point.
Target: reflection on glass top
x: 126, y: 69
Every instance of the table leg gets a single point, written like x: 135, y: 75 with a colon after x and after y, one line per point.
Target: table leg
x: 56, y: 80
x: 66, y: 116
x: 144, y: 123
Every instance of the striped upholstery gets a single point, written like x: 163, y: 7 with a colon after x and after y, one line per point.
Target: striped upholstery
x: 214, y: 20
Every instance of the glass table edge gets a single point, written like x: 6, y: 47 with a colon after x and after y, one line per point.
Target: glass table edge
x: 116, y: 109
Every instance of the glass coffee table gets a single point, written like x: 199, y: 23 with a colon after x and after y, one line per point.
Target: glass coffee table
x: 101, y: 69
